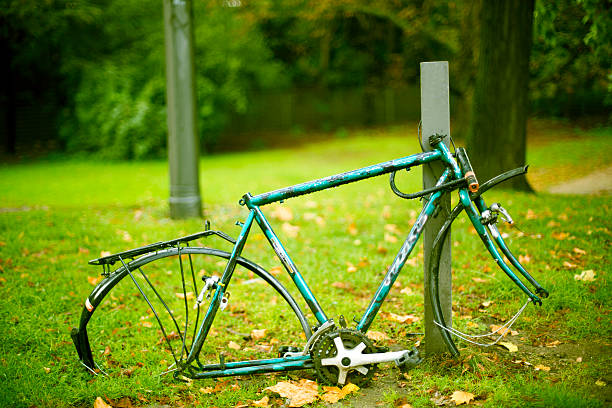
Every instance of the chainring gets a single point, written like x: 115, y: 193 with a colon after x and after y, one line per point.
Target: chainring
x: 325, y: 347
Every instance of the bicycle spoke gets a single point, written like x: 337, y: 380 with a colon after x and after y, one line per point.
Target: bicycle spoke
x: 146, y: 298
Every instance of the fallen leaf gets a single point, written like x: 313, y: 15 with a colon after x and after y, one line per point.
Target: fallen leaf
x: 579, y: 251
x: 498, y: 330
x: 334, y: 394
x: 406, y: 291
x: 586, y: 276
x: 94, y: 280
x: 524, y: 259
x: 579, y: 360
x: 408, y: 319
x: 485, y: 304
x: 541, y: 367
x: 188, y: 295
x: 105, y: 253
x: 600, y: 383
x: 291, y: 230
x: 257, y: 334
x: 298, y: 394
x: 352, y: 229
x: 569, y: 265
x: 560, y: 236
x: 282, y: 213
x: 233, y: 345
x: 462, y: 397
x: 390, y: 238
x: 350, y: 267
x: 276, y: 270
x: 377, y: 336
x: 262, y: 402
x: 47, y: 370
x: 146, y: 324
x: 510, y: 346
x: 340, y: 285
x: 480, y: 280
x: 552, y: 344
x: 99, y: 403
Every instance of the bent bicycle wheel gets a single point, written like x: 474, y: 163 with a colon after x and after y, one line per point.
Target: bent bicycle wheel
x: 484, y: 290
x: 148, y: 314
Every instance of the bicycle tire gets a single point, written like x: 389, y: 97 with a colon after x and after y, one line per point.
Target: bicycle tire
x: 154, y: 260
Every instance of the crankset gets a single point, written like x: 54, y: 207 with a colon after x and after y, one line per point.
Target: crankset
x: 347, y: 355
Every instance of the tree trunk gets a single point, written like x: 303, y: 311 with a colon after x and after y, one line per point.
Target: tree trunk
x: 497, y: 138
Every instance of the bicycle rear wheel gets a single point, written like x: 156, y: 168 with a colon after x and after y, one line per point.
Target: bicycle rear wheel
x: 151, y: 316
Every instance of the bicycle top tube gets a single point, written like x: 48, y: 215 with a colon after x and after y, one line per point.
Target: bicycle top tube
x: 339, y: 179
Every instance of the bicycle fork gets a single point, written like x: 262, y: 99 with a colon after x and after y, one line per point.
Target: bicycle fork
x: 488, y: 217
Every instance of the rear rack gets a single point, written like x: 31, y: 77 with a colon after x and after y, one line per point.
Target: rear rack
x: 132, y: 253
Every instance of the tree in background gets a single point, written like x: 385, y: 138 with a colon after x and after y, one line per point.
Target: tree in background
x: 497, y: 139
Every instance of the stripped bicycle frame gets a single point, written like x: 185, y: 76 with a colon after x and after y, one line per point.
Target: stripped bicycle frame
x: 452, y: 178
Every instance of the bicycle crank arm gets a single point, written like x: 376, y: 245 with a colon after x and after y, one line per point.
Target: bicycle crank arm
x: 354, y: 359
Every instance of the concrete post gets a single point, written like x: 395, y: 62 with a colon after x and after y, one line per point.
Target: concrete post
x: 435, y: 118
x: 183, y: 146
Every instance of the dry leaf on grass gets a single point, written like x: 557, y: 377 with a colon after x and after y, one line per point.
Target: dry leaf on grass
x: 94, y: 280
x: 586, y: 276
x: 511, y: 347
x: 262, y: 402
x: 188, y: 295
x: 335, y: 394
x: 99, y: 403
x: 233, y: 345
x: 298, y: 394
x: 282, y: 213
x: 257, y: 334
x: 462, y: 397
x: 291, y: 230
x: 377, y: 336
x: 407, y: 319
x: 541, y: 367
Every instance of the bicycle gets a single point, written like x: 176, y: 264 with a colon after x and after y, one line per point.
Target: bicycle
x: 337, y: 353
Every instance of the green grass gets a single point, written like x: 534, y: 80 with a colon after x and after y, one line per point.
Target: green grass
x: 56, y: 215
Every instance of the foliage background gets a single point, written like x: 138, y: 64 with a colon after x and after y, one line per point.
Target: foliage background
x: 98, y: 65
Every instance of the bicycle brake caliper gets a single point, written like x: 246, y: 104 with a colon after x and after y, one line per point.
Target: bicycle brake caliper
x: 489, y: 216
x: 210, y: 283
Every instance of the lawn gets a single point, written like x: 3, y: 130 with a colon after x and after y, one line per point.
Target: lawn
x: 56, y: 215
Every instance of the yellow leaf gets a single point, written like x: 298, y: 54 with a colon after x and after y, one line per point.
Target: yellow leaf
x: 569, y: 265
x: 298, y: 394
x: 377, y: 336
x: 352, y: 229
x: 257, y: 334
x: 600, y: 383
x: 291, y: 230
x: 542, y: 367
x: 586, y: 276
x: 462, y: 397
x: 406, y: 291
x: 94, y: 280
x: 334, y: 394
x: 392, y: 228
x: 99, y: 403
x: 579, y: 251
x: 560, y: 236
x: 510, y: 346
x: 262, y: 402
x: 147, y: 324
x: 188, y: 295
x: 350, y: 267
x: 408, y: 319
x: 390, y: 238
x: 524, y: 259
x: 233, y: 345
x: 276, y: 270
x: 282, y: 213
x: 480, y: 280
x: 207, y: 390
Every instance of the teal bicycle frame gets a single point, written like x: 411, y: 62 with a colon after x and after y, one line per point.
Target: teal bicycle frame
x: 456, y: 176
x: 253, y: 203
